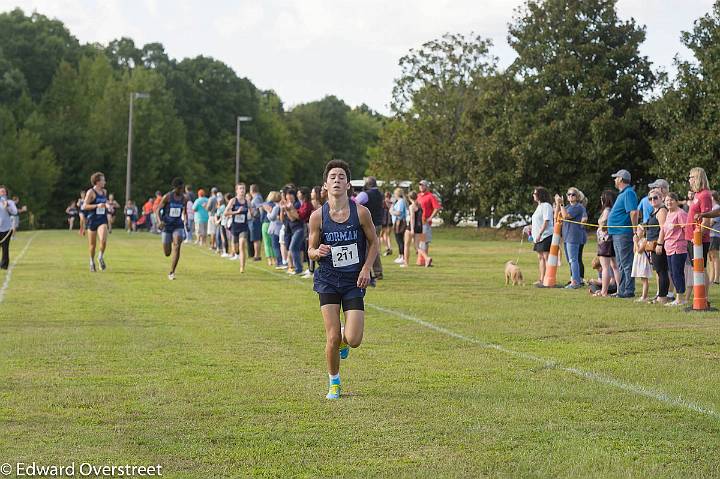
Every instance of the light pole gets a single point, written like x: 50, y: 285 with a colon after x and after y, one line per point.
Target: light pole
x: 133, y: 96
x: 237, y: 147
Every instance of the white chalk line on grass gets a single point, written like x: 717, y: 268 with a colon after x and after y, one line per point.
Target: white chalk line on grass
x: 592, y: 376
x: 636, y: 389
x: 8, y: 275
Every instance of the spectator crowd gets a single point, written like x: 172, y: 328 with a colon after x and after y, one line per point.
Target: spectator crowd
x: 644, y: 240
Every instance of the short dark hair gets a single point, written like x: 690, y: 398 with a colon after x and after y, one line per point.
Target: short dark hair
x: 337, y: 164
x: 543, y: 195
x: 177, y: 183
x: 96, y: 177
x: 254, y: 188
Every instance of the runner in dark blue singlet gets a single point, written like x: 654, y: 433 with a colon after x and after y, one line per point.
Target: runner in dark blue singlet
x: 96, y: 208
x: 344, y: 243
x: 171, y: 216
x: 239, y: 211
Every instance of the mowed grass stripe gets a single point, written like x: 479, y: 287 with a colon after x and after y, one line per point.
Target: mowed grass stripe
x: 13, y: 263
x: 218, y: 375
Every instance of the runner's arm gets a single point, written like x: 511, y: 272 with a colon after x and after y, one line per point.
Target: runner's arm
x: 316, y: 250
x: 161, y: 206
x: 89, y: 196
x: 228, y: 208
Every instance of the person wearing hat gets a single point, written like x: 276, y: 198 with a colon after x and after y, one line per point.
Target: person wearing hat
x: 430, y: 207
x: 645, y: 208
x: 621, y: 222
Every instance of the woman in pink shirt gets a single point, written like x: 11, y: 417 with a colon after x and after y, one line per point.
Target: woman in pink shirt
x: 675, y: 246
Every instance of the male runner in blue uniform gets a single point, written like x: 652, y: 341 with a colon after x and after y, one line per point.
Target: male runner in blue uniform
x: 239, y: 210
x: 171, y: 215
x: 97, y: 207
x: 344, y: 243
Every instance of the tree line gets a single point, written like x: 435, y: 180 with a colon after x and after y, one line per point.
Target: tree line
x: 578, y: 103
x: 64, y: 114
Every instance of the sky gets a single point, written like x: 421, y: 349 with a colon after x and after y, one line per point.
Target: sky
x: 306, y: 49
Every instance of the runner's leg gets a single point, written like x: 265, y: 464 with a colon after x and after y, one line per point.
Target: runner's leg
x: 102, y: 233
x: 354, y: 327
x: 177, y: 243
x: 331, y: 318
x: 92, y: 243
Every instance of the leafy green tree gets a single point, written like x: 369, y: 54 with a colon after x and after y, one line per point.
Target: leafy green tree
x: 28, y: 168
x: 578, y: 114
x: 123, y: 54
x: 12, y: 82
x: 685, y: 116
x: 209, y: 97
x: 159, y: 146
x: 430, y: 135
x: 35, y: 45
x: 62, y: 122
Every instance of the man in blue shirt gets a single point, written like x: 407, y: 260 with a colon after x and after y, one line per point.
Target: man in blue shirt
x: 623, y: 215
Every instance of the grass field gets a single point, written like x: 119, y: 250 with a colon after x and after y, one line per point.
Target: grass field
x: 223, y: 375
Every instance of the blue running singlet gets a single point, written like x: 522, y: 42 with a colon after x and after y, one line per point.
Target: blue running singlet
x: 347, y: 243
x: 172, y: 212
x: 97, y: 216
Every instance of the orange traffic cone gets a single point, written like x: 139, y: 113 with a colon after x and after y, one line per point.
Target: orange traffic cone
x: 550, y: 278
x: 700, y: 302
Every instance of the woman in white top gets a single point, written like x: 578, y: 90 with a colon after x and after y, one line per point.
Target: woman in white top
x: 543, y: 222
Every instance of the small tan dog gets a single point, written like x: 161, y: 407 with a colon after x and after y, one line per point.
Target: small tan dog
x: 513, y: 273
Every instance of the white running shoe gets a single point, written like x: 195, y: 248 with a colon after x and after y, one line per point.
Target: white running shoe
x: 282, y: 266
x: 171, y: 276
x: 234, y: 257
x: 307, y: 275
x: 403, y: 265
x: 224, y: 255
x: 398, y: 260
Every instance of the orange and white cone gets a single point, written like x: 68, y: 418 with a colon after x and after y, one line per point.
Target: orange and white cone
x: 700, y: 302
x: 550, y: 279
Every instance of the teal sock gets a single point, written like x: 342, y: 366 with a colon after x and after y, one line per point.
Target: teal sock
x: 334, y: 379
